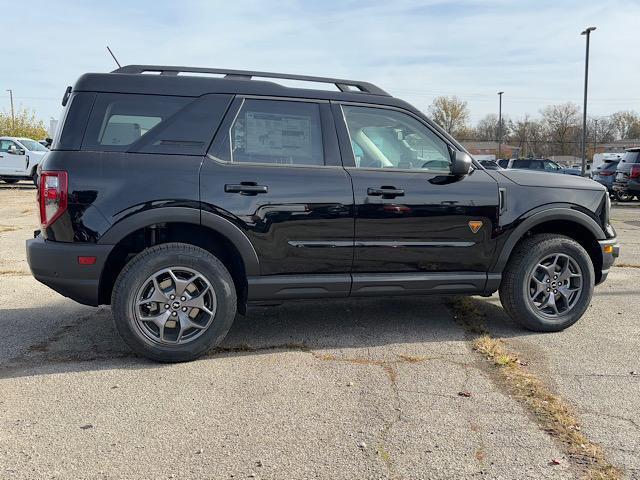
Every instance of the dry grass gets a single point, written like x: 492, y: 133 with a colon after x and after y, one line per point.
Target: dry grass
x: 7, y: 228
x: 552, y: 413
x: 626, y: 265
x: 11, y: 272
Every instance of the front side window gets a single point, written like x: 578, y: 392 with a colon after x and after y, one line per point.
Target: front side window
x: 5, y: 145
x: 383, y: 138
x: 550, y: 166
x: 277, y: 132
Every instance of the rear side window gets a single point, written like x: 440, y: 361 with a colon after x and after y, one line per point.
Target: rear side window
x: 521, y: 164
x: 277, y: 132
x: 631, y: 157
x: 503, y: 163
x: 120, y: 120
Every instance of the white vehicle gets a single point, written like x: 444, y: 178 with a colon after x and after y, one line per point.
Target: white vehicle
x: 19, y: 159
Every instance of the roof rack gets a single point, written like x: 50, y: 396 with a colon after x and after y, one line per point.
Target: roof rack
x: 343, y: 85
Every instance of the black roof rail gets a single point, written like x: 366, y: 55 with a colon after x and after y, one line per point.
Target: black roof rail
x: 343, y: 85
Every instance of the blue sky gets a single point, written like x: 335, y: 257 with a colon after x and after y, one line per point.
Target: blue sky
x: 416, y: 50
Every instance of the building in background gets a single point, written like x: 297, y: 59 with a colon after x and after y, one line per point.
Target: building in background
x: 488, y: 148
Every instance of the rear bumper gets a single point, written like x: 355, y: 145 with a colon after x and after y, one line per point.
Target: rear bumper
x: 56, y: 265
x: 610, y: 251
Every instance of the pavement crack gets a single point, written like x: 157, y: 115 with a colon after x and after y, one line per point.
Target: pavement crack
x: 550, y: 411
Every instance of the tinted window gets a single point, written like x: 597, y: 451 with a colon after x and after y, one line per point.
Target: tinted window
x: 550, y: 166
x: 383, y: 138
x: 522, y: 164
x: 277, y: 132
x: 119, y: 120
x: 503, y: 163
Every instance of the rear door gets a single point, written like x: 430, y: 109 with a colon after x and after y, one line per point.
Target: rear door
x: 275, y: 171
x: 412, y: 215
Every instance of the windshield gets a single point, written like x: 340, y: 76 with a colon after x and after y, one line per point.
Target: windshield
x: 32, y: 145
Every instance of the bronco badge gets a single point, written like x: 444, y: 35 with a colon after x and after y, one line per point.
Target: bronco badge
x: 475, y: 225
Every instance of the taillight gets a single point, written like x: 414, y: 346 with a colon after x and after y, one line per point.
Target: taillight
x: 606, y: 173
x: 635, y: 171
x: 53, y: 196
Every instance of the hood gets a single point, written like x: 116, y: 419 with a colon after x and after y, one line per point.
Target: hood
x: 527, y: 178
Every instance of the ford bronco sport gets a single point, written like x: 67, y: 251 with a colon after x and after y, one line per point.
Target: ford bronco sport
x: 180, y: 199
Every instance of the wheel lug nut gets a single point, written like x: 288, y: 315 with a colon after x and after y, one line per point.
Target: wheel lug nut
x: 166, y: 305
x: 548, y: 280
x: 172, y: 297
x: 555, y: 291
x: 548, y: 289
x: 555, y: 276
x: 184, y: 309
x: 183, y: 299
x: 174, y: 314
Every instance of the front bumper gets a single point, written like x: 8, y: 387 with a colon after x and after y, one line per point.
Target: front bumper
x: 610, y: 250
x: 56, y: 265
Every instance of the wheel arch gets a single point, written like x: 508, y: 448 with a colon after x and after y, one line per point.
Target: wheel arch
x: 563, y: 221
x: 177, y: 224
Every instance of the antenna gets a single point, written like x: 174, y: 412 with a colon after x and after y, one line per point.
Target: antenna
x: 114, y: 57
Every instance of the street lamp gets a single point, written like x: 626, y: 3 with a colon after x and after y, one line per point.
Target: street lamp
x: 587, y: 32
x: 13, y: 117
x: 499, y: 123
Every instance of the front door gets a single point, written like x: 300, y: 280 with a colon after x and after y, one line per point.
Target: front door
x: 412, y: 215
x: 275, y: 170
x: 11, y: 163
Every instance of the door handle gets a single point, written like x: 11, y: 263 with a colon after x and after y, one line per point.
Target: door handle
x: 385, y: 192
x: 246, y: 188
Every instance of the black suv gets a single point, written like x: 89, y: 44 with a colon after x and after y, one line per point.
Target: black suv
x: 180, y: 199
x: 626, y: 183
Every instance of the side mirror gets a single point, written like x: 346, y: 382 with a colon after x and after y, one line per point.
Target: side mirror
x: 461, y: 163
x: 15, y: 151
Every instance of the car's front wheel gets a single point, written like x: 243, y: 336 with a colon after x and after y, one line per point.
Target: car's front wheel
x: 173, y: 302
x: 548, y: 283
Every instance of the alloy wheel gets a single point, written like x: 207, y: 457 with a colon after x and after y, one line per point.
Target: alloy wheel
x: 174, y: 306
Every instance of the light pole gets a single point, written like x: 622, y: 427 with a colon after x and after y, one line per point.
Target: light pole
x: 13, y: 118
x: 587, y: 32
x: 499, y: 123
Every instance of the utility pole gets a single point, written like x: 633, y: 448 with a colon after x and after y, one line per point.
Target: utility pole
x: 13, y: 117
x: 595, y: 135
x: 499, y: 123
x: 587, y: 32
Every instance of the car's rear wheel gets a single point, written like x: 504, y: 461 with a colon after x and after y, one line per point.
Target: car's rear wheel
x: 548, y: 283
x: 623, y: 196
x: 10, y: 181
x: 173, y: 302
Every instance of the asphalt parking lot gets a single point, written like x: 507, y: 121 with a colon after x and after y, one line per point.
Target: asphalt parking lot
x: 380, y: 388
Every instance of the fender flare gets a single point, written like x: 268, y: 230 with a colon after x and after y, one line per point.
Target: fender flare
x: 194, y: 216
x: 549, y: 214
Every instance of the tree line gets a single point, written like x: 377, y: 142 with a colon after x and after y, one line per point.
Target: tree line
x: 558, y: 130
x: 23, y: 123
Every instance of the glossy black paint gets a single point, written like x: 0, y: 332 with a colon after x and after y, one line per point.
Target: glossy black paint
x: 317, y: 231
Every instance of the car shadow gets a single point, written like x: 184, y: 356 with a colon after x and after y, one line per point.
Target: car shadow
x: 90, y: 342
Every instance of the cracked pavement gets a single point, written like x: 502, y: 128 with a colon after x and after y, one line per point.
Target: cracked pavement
x: 342, y: 389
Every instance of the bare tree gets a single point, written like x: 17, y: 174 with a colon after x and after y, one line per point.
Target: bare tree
x: 600, y: 130
x: 562, y: 125
x: 626, y: 124
x: 450, y: 113
x: 487, y: 127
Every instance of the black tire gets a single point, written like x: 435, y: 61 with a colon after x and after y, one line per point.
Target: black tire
x: 154, y: 259
x: 10, y: 181
x: 34, y: 177
x: 515, y: 285
x: 623, y: 196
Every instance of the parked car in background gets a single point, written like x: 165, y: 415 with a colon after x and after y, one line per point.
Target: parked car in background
x: 605, y: 173
x: 627, y: 181
x: 539, y: 164
x: 19, y: 159
x: 490, y: 165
